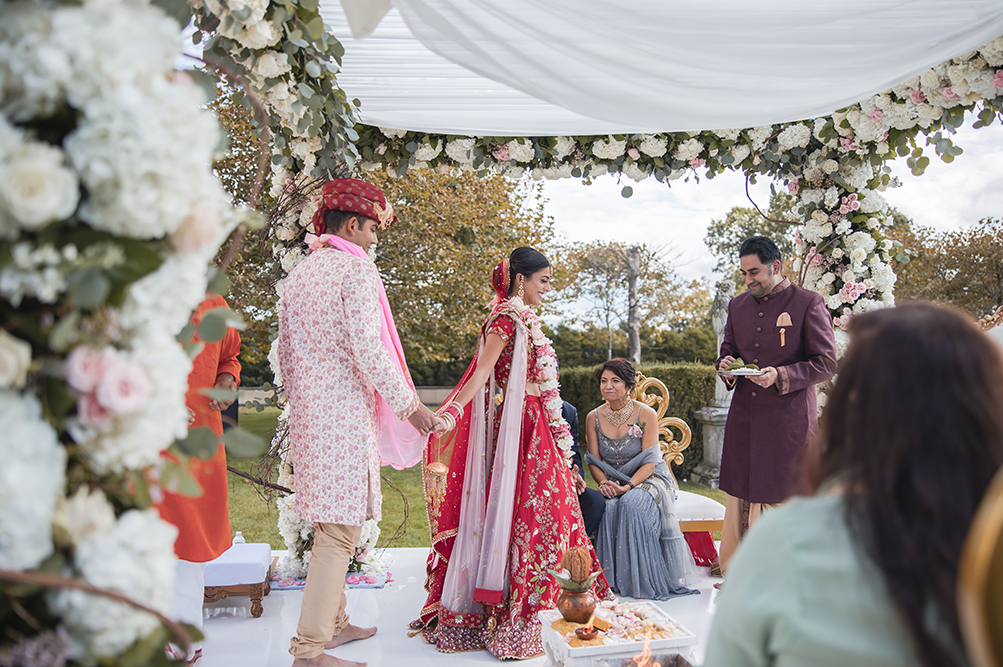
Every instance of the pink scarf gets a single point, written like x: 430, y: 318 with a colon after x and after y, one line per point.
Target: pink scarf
x: 400, y: 443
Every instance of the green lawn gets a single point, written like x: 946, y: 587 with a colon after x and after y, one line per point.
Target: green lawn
x: 258, y: 519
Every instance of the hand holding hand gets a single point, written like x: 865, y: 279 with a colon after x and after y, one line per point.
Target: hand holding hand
x: 224, y: 381
x: 424, y: 420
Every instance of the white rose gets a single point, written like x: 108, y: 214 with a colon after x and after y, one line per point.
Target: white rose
x: 688, y: 150
x: 392, y: 133
x: 830, y: 166
x: 84, y: 513
x: 837, y: 253
x: 459, y: 150
x: 858, y: 255
x: 740, y: 152
x: 35, y: 186
x: 521, y: 152
x: 15, y: 357
x: 794, y: 136
x: 609, y: 148
x: 653, y: 146
x: 564, y: 147
x: 930, y: 79
x: 834, y: 302
x: 271, y: 64
x: 428, y: 152
x: 259, y: 35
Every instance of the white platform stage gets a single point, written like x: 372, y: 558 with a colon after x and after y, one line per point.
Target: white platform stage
x: 235, y: 639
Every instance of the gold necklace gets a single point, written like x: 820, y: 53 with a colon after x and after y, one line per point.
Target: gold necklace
x: 618, y: 418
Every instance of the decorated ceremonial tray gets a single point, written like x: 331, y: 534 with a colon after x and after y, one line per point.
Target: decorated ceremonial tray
x: 741, y: 371
x: 631, y: 627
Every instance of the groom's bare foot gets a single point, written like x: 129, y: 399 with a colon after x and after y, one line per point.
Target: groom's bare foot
x: 325, y: 660
x: 351, y: 633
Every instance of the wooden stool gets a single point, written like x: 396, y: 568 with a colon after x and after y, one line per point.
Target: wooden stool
x: 243, y: 569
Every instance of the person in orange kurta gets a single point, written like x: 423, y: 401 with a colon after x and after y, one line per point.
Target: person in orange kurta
x: 203, y: 522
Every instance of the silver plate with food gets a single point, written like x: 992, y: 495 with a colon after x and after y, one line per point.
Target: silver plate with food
x: 740, y: 372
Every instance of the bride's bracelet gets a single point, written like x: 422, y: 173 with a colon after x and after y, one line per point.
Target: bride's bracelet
x: 450, y: 413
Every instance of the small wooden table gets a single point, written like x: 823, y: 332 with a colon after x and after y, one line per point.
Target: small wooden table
x: 243, y: 569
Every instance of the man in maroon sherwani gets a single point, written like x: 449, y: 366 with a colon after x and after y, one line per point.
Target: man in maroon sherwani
x: 787, y: 332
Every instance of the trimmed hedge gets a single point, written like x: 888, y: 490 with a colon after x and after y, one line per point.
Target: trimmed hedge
x: 691, y: 387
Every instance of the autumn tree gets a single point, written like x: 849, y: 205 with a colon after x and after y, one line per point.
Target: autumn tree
x: 961, y: 267
x: 632, y: 287
x: 725, y: 236
x: 253, y: 271
x: 436, y: 261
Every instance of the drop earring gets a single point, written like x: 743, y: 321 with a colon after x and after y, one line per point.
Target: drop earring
x: 522, y: 292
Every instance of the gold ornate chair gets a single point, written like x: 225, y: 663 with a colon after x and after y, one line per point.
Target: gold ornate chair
x: 695, y: 512
x: 980, y: 581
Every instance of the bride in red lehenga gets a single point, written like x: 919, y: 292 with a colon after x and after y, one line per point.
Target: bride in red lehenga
x: 501, y: 499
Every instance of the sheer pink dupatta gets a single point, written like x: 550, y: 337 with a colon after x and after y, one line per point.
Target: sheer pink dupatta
x: 401, y: 444
x: 478, y: 569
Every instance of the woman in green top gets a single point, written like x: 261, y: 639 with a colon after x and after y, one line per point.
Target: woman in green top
x: 864, y: 571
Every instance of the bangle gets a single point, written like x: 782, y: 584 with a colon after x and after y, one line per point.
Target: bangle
x: 630, y: 484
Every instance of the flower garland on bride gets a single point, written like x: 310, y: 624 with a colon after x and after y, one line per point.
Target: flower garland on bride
x: 550, y: 392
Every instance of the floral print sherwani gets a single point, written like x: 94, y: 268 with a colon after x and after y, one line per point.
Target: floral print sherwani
x: 333, y: 363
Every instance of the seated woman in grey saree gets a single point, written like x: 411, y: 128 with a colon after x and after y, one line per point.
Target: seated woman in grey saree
x: 639, y: 545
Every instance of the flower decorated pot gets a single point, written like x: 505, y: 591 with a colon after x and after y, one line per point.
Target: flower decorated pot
x: 576, y: 606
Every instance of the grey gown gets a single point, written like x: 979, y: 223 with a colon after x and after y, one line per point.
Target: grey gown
x: 640, y: 547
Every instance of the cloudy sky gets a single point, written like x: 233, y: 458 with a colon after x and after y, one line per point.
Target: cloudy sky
x: 947, y: 196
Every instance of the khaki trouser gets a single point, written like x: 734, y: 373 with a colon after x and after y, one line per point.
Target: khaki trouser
x: 322, y: 615
x: 738, y: 516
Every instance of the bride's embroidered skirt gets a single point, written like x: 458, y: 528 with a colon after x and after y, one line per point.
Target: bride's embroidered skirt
x: 547, y: 522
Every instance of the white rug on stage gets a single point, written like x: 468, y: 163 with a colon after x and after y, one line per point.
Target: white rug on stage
x: 235, y: 639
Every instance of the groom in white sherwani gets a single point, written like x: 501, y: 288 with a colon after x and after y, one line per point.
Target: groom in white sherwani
x: 351, y: 400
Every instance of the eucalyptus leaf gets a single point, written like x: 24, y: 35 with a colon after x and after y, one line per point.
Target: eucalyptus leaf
x: 315, y: 28
x: 244, y: 444
x: 219, y: 283
x: 219, y: 394
x: 89, y: 288
x: 313, y: 69
x: 62, y: 333
x: 143, y: 649
x: 626, y: 192
x: 179, y: 10
x: 175, y: 476
x: 206, y: 81
x: 200, y: 442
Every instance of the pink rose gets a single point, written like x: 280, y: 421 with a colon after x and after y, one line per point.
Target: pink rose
x: 636, y: 431
x: 123, y: 388
x: 847, y: 143
x: 794, y: 186
x: 918, y: 97
x: 501, y: 153
x: 634, y: 154
x: 91, y: 412
x: 85, y: 366
x: 697, y: 162
x: 876, y: 115
x: 948, y: 93
x: 998, y: 78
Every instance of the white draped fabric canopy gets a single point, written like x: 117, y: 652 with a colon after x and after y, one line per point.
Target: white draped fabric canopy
x: 573, y: 67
